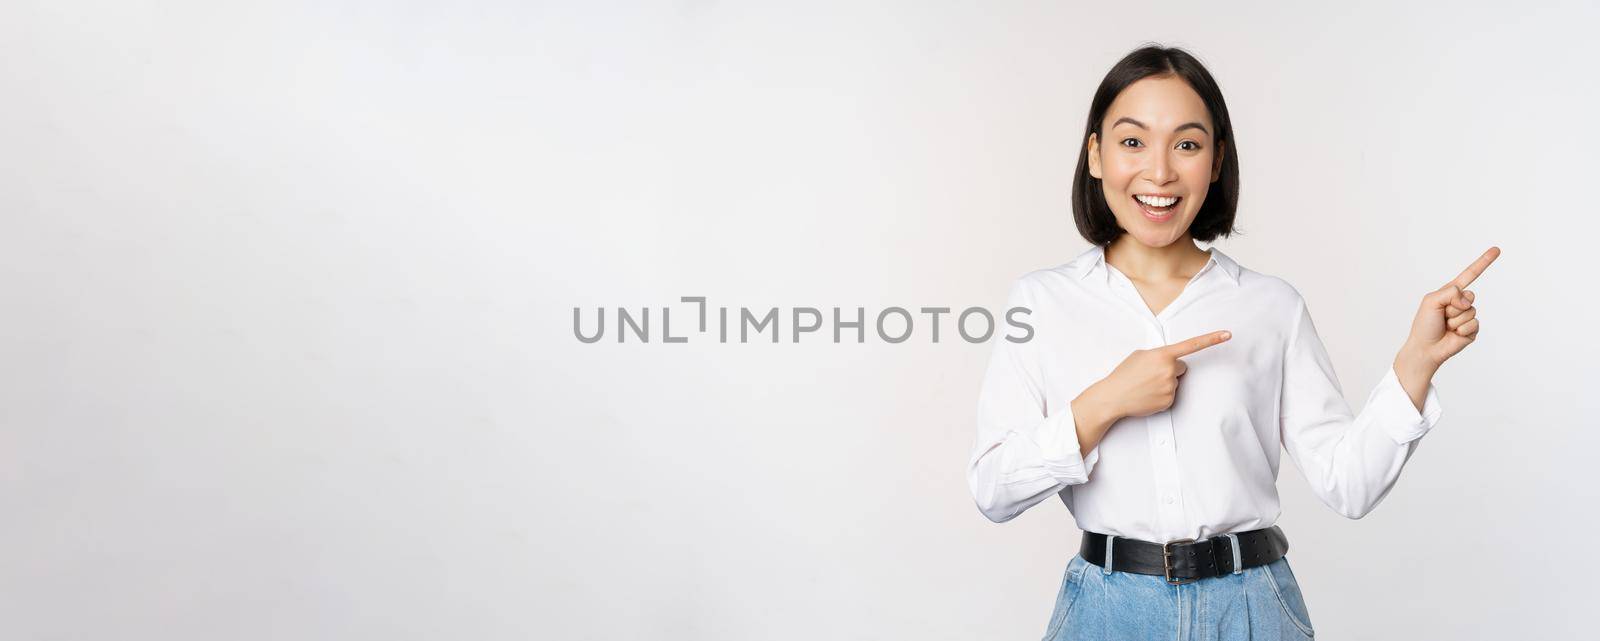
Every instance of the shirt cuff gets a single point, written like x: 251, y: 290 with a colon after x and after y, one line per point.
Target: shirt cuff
x: 1396, y: 412
x: 1057, y: 437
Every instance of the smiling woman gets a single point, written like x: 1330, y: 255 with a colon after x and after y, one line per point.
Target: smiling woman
x: 1175, y: 489
x: 1168, y: 141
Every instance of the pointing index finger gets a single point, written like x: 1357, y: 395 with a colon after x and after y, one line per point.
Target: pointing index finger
x: 1190, y: 346
x: 1475, y: 270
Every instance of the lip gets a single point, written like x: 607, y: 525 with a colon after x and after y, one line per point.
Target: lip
x: 1153, y: 216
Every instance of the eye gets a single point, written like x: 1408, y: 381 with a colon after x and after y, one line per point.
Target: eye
x: 1192, y: 145
x: 1135, y: 142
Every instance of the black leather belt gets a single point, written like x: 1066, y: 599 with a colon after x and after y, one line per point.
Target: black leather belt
x: 1187, y: 560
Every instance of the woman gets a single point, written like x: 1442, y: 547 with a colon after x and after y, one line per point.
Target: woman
x: 1164, y: 381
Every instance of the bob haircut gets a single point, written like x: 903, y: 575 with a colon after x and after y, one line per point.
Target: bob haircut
x: 1089, y: 208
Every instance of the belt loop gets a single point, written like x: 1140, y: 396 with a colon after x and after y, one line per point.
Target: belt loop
x: 1237, y: 557
x: 1110, y: 539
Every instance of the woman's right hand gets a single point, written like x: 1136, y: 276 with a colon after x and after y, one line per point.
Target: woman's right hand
x: 1146, y: 381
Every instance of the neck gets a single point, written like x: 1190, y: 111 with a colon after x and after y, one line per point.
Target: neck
x: 1180, y: 259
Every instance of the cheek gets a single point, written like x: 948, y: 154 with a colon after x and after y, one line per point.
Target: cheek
x: 1194, y: 173
x: 1119, y: 171
x: 1196, y: 166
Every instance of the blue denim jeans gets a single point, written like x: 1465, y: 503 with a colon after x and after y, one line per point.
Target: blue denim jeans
x: 1263, y: 602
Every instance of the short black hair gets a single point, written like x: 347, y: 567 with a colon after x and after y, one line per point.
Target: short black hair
x: 1089, y: 208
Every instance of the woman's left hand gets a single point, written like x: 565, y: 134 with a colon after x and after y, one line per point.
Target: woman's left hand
x: 1447, y: 322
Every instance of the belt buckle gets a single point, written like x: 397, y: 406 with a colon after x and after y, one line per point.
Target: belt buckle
x: 1166, y: 562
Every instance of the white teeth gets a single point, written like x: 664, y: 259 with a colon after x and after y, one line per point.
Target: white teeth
x: 1156, y: 201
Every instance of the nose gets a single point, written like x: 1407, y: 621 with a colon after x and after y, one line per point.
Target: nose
x: 1161, y: 171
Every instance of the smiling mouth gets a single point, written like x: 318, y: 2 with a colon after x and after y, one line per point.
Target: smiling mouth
x: 1157, y: 208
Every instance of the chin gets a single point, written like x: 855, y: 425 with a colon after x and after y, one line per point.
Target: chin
x: 1155, y: 236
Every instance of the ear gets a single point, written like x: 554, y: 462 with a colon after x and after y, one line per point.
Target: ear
x: 1094, y: 155
x: 1216, y: 164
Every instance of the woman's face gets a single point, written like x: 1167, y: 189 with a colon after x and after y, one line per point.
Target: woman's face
x: 1157, y: 159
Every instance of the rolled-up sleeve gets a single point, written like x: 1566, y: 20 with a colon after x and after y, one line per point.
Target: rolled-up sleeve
x: 1025, y: 451
x: 1350, y: 461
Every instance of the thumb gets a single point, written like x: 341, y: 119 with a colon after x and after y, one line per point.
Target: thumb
x: 1442, y: 297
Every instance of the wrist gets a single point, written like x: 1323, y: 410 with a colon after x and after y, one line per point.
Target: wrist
x: 1413, y: 361
x: 1094, y: 409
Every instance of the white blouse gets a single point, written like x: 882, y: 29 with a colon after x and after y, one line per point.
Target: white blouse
x: 1208, y: 465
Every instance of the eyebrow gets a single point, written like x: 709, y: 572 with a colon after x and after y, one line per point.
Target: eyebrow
x: 1187, y: 125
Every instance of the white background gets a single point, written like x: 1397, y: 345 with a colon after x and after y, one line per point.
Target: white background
x: 288, y: 291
